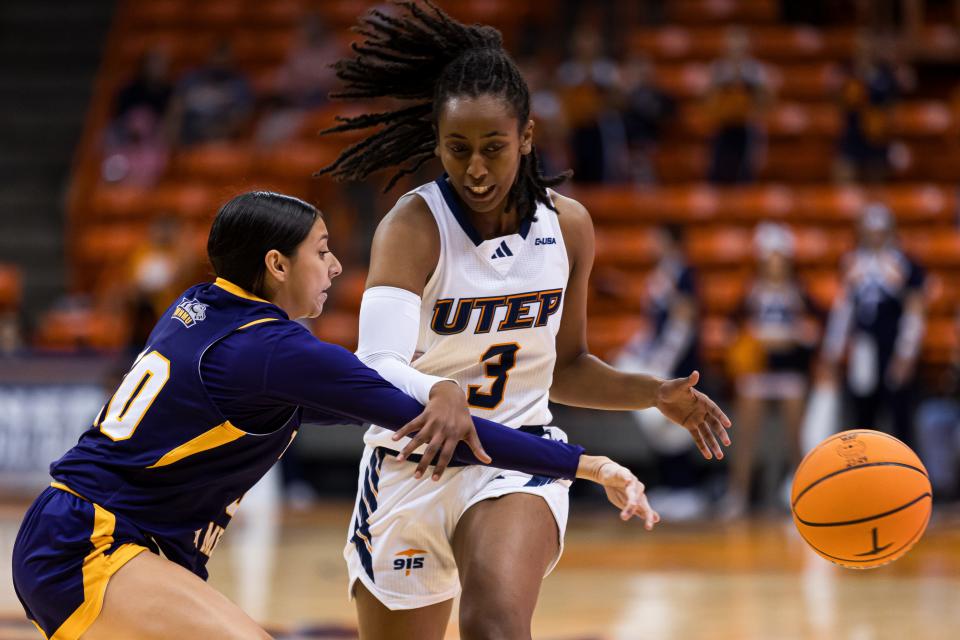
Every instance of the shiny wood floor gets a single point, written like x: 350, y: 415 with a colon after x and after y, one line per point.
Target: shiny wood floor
x: 744, y: 581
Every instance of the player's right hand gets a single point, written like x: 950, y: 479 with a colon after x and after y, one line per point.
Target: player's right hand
x: 623, y: 488
x: 445, y: 421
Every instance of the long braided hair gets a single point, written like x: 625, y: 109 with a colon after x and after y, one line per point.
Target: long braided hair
x: 426, y: 57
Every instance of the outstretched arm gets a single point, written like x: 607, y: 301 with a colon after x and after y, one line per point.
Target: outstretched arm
x: 583, y: 380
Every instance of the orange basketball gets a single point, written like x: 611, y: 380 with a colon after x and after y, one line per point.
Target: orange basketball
x: 861, y: 498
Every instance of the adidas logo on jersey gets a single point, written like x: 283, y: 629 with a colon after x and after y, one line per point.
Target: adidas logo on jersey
x: 190, y: 312
x: 539, y: 241
x: 502, y: 251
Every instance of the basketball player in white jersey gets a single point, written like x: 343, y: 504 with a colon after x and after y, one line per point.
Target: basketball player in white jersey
x: 480, y: 277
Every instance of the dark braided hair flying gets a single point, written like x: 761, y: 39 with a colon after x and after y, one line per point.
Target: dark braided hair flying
x: 426, y: 57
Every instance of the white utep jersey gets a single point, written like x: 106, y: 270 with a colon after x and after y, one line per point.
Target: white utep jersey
x: 490, y: 314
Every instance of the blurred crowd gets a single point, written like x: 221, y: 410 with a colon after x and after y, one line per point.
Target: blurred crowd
x: 793, y: 368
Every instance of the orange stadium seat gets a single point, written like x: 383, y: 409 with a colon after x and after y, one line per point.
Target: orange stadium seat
x: 348, y: 290
x: 721, y: 292
x: 722, y: 11
x: 219, y: 14
x: 216, y: 161
x: 296, y: 159
x: 773, y: 42
x: 110, y: 244
x: 158, y: 13
x: 716, y: 336
x: 918, y: 119
x: 822, y: 286
x: 261, y: 46
x: 186, y: 48
x: 941, y: 340
x: 943, y: 293
x: 275, y: 13
x: 606, y: 334
x: 625, y: 205
x: 712, y: 247
x: 75, y: 329
x: 119, y: 202
x: 11, y: 287
x: 787, y: 161
x: 338, y: 327
x: 626, y: 248
x: 935, y: 250
x: 194, y: 200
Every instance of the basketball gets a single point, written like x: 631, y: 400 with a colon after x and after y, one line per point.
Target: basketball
x: 861, y: 499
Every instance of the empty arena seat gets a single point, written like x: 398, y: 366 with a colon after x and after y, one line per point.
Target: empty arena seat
x: 195, y: 200
x: 607, y: 334
x: 627, y: 248
x: 119, y: 202
x: 11, y: 287
x: 724, y: 246
x: 922, y: 118
x: 215, y: 161
x: 721, y: 292
x: 338, y: 327
x: 82, y: 329
x: 940, y: 340
x: 722, y: 11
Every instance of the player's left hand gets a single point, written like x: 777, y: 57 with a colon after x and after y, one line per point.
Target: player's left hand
x: 445, y: 421
x: 695, y: 412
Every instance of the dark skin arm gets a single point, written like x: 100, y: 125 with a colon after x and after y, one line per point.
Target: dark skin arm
x: 406, y: 249
x: 581, y: 379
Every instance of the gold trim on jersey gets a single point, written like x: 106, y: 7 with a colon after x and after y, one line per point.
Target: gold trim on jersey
x: 63, y: 487
x: 218, y: 436
x: 229, y: 287
x: 98, y: 568
x: 255, y: 322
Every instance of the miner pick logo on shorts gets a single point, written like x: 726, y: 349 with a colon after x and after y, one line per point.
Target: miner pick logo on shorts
x: 409, y: 560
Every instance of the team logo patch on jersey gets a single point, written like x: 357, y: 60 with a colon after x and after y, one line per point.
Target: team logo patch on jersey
x: 410, y: 560
x: 548, y: 240
x: 190, y: 312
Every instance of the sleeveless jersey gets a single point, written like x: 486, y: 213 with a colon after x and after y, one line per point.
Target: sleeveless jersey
x: 160, y: 453
x: 490, y: 313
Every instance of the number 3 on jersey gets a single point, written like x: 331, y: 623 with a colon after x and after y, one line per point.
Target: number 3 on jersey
x: 499, y: 359
x: 120, y: 418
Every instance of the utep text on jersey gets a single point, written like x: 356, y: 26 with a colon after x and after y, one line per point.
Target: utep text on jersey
x: 524, y: 310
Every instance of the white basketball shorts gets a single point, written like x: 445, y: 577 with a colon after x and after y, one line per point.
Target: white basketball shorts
x: 400, y: 539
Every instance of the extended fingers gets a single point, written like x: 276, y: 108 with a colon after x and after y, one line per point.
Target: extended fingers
x: 701, y: 444
x: 710, y: 440
x: 718, y: 429
x: 427, y: 456
x: 445, y: 455
x: 420, y: 438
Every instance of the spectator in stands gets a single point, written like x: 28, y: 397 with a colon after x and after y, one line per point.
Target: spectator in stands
x: 881, y: 314
x: 590, y: 89
x: 647, y: 108
x: 160, y: 265
x: 136, y: 147
x: 150, y: 88
x: 938, y: 427
x: 869, y: 87
x: 213, y: 102
x: 669, y: 347
x: 301, y: 83
x: 771, y: 358
x: 738, y: 94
